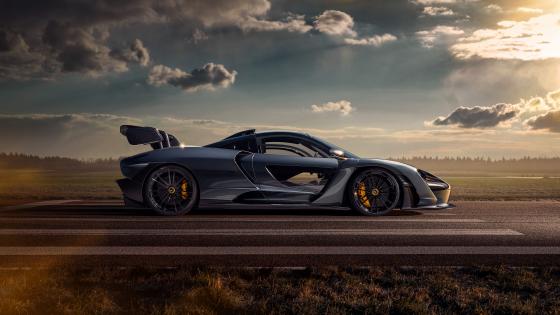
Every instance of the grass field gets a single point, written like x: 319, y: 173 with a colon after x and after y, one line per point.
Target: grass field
x: 32, y: 185
x: 504, y: 188
x: 41, y: 185
x: 372, y: 290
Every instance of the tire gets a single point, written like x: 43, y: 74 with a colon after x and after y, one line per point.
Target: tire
x: 171, y: 190
x: 374, y: 192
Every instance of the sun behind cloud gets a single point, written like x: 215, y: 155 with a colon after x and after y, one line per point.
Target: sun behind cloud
x: 534, y: 39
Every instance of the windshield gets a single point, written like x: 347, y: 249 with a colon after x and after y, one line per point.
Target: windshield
x: 331, y: 146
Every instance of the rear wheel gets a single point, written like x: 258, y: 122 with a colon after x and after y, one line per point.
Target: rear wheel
x: 171, y: 190
x: 374, y: 192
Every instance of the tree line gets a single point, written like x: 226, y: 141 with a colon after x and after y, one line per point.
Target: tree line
x: 27, y: 161
x: 536, y: 166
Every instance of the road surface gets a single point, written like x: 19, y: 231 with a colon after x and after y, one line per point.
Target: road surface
x: 105, y: 233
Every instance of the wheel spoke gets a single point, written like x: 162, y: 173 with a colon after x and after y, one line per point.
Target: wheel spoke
x: 376, y: 192
x: 165, y: 182
x: 158, y: 182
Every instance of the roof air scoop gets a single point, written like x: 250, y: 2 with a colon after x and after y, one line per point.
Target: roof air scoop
x: 242, y: 133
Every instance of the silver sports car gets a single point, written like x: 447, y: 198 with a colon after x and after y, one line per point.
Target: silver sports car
x: 272, y: 167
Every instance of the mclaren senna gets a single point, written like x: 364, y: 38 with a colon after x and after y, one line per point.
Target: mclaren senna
x: 271, y: 167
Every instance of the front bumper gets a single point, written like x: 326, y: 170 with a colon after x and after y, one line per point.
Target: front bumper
x: 437, y: 199
x: 442, y: 201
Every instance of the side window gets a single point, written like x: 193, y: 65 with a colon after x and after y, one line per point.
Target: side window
x: 247, y: 144
x: 290, y: 147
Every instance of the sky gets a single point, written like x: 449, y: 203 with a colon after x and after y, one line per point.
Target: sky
x: 379, y: 78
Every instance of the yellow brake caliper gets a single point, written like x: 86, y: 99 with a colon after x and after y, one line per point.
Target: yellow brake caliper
x: 184, y: 193
x: 362, y: 195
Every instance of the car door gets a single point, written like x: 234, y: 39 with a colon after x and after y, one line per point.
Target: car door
x: 291, y: 169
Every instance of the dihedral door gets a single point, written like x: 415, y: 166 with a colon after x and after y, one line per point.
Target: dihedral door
x: 292, y: 179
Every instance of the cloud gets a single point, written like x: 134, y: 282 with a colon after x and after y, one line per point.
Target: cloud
x: 80, y: 50
x: 17, y: 60
x: 534, y: 39
x: 478, y: 116
x: 493, y: 9
x: 438, y: 11
x: 197, y: 36
x: 62, y: 48
x: 333, y: 22
x: 438, y: 35
x: 500, y: 114
x: 549, y: 121
x: 43, y: 40
x: 553, y: 98
x: 343, y: 107
x: 293, y: 23
x: 375, y: 40
x: 209, y: 77
x: 530, y: 10
x: 432, y: 2
x: 135, y: 52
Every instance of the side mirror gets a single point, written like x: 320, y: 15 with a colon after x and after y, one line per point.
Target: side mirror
x: 339, y: 154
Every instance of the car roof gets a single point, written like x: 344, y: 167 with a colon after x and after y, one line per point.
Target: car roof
x: 281, y: 133
x: 251, y: 133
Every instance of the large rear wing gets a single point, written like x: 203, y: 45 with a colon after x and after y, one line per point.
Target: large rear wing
x: 156, y: 138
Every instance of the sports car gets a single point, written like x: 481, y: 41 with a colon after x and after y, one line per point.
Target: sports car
x: 270, y: 167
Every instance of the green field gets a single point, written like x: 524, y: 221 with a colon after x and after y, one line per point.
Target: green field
x: 336, y: 290
x: 32, y: 185
x: 504, y: 188
x: 43, y: 185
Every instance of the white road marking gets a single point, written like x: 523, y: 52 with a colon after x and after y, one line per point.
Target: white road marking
x: 36, y: 204
x: 238, y: 219
x: 437, y: 213
x: 280, y: 250
x: 255, y: 232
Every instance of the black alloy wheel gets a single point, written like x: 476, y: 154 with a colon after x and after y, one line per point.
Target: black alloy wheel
x: 374, y: 192
x: 171, y: 190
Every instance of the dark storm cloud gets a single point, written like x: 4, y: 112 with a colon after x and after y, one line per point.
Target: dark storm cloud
x: 64, y: 47
x: 40, y: 39
x: 10, y: 41
x: 80, y: 50
x: 478, y: 116
x: 549, y: 121
x: 208, y: 77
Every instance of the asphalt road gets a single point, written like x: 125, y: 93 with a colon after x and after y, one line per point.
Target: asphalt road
x: 105, y: 233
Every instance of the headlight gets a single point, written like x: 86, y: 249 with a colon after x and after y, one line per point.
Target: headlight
x: 429, y: 177
x: 434, y: 182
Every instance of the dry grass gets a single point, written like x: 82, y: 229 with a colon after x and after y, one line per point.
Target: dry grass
x: 504, y: 188
x: 41, y: 185
x: 336, y: 290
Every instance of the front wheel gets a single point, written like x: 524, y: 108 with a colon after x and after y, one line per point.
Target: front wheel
x: 374, y: 192
x: 171, y: 190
